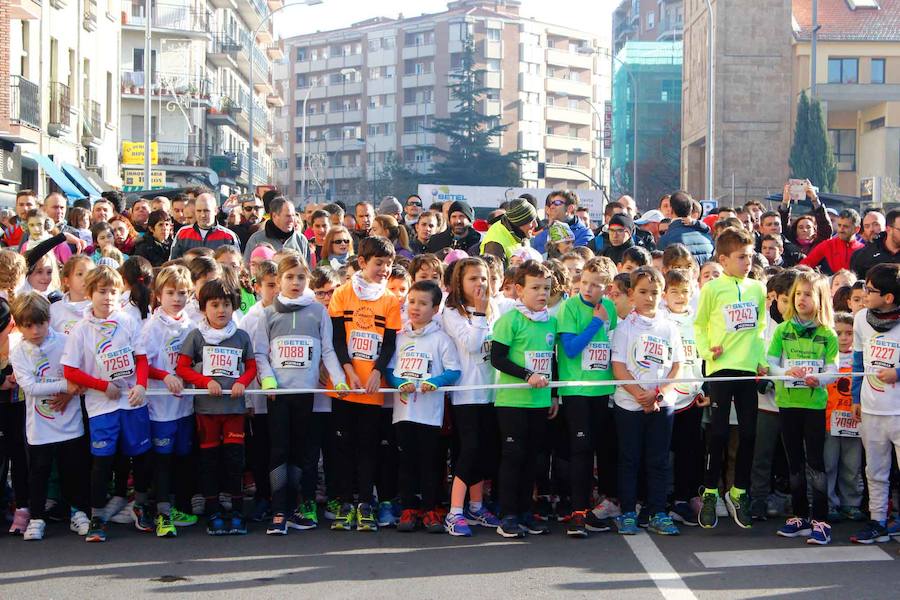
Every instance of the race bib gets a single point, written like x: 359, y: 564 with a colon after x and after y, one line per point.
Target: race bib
x: 653, y: 350
x: 365, y: 345
x: 220, y: 361
x: 595, y: 356
x: 292, y: 352
x: 810, y: 367
x: 486, y: 351
x: 690, y: 352
x: 883, y: 353
x: 539, y: 362
x: 843, y: 424
x: 42, y: 403
x: 740, y: 316
x: 116, y: 364
x: 413, y: 365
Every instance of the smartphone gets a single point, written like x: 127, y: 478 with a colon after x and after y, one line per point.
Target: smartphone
x: 798, y: 189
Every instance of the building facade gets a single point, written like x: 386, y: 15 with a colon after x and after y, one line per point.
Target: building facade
x: 368, y: 92
x: 647, y: 21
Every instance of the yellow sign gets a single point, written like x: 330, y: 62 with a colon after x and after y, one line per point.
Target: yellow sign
x: 133, y: 179
x: 133, y: 153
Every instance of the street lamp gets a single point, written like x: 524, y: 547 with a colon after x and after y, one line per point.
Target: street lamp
x: 250, y: 50
x: 711, y: 99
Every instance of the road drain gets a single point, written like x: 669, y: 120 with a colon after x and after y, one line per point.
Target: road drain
x: 169, y: 578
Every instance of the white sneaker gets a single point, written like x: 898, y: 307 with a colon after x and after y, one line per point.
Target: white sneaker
x: 124, y: 516
x: 79, y: 523
x: 721, y: 509
x: 35, y: 530
x: 112, y: 508
x: 607, y: 509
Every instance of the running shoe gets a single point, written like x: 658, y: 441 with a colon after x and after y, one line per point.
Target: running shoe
x: 821, y: 534
x: 576, y: 528
x: 124, y: 516
x: 310, y: 512
x: 607, y: 509
x: 165, y: 527
x: 262, y: 510
x: 709, y: 518
x: 433, y: 522
x: 278, y: 525
x: 35, y: 530
x: 180, y: 519
x: 386, y: 516
x: 542, y: 508
x: 509, y: 528
x: 684, y: 514
x: 852, y: 513
x: 409, y: 520
x: 215, y: 525
x: 893, y: 527
x: 55, y: 511
x: 365, y: 518
x: 592, y: 523
x: 331, y: 509
x: 79, y: 523
x: 238, y: 523
x: 97, y: 530
x: 344, y: 518
x: 300, y: 519
x: 661, y: 524
x: 482, y: 517
x: 795, y: 527
x: 739, y: 509
x: 20, y: 521
x: 872, y: 532
x: 644, y: 517
x: 142, y: 519
x: 457, y: 525
x: 626, y: 524
x: 531, y: 525
x: 198, y: 504
x: 114, y: 506
x: 759, y: 509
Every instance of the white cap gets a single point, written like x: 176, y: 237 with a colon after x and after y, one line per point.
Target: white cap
x: 651, y: 216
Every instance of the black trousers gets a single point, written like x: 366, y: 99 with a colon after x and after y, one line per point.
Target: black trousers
x: 803, y: 434
x: 257, y: 448
x: 722, y: 394
x: 589, y: 419
x: 289, y: 419
x: 12, y: 449
x: 387, y: 476
x: 356, y: 441
x: 522, y: 435
x: 478, y: 442
x: 73, y: 458
x: 319, y: 442
x: 687, y: 452
x: 417, y: 446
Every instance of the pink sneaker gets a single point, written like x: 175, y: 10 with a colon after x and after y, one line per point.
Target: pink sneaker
x: 20, y: 521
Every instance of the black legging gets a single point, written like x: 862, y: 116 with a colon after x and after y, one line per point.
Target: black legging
x: 101, y: 473
x: 687, y: 451
x: 289, y: 418
x: 522, y: 433
x: 256, y: 442
x: 746, y: 404
x: 588, y: 418
x: 387, y: 476
x: 479, y: 451
x: 12, y: 449
x: 803, y: 435
x: 356, y: 442
x: 416, y: 451
x: 228, y: 459
x: 319, y: 442
x: 73, y: 458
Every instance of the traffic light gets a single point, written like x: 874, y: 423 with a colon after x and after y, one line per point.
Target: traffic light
x: 542, y: 170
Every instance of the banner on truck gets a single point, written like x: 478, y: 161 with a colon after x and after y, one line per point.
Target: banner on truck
x: 491, y: 197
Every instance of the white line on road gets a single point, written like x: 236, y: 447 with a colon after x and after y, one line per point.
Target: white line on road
x: 666, y: 578
x: 790, y: 556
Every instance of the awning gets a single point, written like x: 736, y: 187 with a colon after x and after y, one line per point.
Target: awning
x: 92, y: 177
x: 75, y: 174
x: 64, y: 183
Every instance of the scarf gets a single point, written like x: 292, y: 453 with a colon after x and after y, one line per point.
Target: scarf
x: 299, y: 302
x: 337, y: 261
x: 882, y: 321
x: 540, y: 316
x: 76, y: 307
x: 216, y: 336
x: 366, y: 290
x: 170, y: 321
x: 430, y: 327
x: 275, y: 233
x: 641, y: 321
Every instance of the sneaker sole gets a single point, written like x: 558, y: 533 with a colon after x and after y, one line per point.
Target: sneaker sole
x: 597, y: 529
x: 93, y: 539
x: 577, y: 534
x: 183, y: 523
x: 165, y: 534
x: 458, y: 534
x: 516, y: 534
x: 623, y: 532
x: 366, y: 529
x: 801, y: 533
x: 679, y: 519
x: 301, y: 527
x: 732, y: 511
x: 276, y: 531
x: 814, y: 542
x: 661, y: 532
x: 878, y: 540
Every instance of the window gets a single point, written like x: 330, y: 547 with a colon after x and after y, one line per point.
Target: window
x: 843, y: 70
x: 460, y: 31
x: 109, y: 98
x: 651, y: 20
x: 532, y: 97
x: 670, y: 90
x: 301, y: 54
x: 298, y: 134
x: 493, y: 35
x: 843, y: 141
x: 493, y: 64
x: 419, y: 38
x: 387, y: 43
x: 374, y: 45
x: 301, y: 80
x: 877, y: 70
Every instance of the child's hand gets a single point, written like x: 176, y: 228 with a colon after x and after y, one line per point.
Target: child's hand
x: 174, y: 383
x: 341, y: 390
x: 796, y: 372
x: 600, y: 312
x: 811, y: 381
x: 716, y: 352
x: 136, y: 395
x: 887, y: 376
x: 373, y: 382
x: 857, y: 412
x: 536, y: 380
x: 353, y: 380
x: 702, y: 401
x: 214, y: 388
x: 427, y: 386
x: 762, y: 370
x: 74, y: 389
x: 237, y: 389
x: 59, y: 401
x: 480, y: 299
x: 407, y: 387
x: 112, y: 391
x: 554, y: 408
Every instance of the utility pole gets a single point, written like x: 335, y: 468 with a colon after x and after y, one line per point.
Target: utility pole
x: 812, y: 58
x: 148, y: 82
x: 711, y: 101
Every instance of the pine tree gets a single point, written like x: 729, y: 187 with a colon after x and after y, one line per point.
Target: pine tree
x: 798, y: 159
x: 468, y: 158
x: 812, y: 156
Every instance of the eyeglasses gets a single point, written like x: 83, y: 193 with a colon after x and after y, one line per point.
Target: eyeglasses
x: 871, y: 290
x: 557, y: 203
x: 254, y: 207
x: 324, y: 293
x: 617, y: 231
x: 340, y: 241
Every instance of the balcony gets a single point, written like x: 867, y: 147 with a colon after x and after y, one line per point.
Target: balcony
x: 90, y: 15
x: 224, y: 114
x: 568, y: 115
x: 24, y: 102
x: 857, y: 96
x: 223, y: 51
x: 228, y: 165
x: 491, y: 49
x: 419, y: 80
x: 569, y: 59
x: 163, y: 85
x: 567, y: 143
x: 493, y: 80
x: 567, y: 172
x: 569, y: 87
x: 25, y: 10
x: 274, y: 99
x: 250, y: 51
x: 252, y: 12
x: 169, y: 18
x: 670, y: 29
x: 417, y: 51
x: 275, y: 51
x: 60, y: 110
x: 529, y: 82
x: 491, y: 108
x: 181, y: 154
x: 92, y: 126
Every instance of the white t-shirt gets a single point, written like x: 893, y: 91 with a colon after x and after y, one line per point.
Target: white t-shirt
x: 105, y: 349
x: 691, y: 368
x: 472, y: 338
x: 880, y: 351
x: 162, y: 336
x: 65, y: 314
x: 648, y: 348
x: 39, y: 374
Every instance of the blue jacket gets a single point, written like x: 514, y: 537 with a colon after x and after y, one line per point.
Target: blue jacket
x: 696, y: 237
x: 583, y: 235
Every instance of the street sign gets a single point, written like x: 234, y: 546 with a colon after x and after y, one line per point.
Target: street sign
x: 708, y: 205
x: 133, y: 153
x: 133, y: 180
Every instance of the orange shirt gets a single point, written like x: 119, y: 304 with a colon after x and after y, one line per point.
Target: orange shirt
x: 365, y: 322
x: 839, y: 396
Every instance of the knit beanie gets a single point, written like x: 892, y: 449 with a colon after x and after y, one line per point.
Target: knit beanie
x: 520, y: 212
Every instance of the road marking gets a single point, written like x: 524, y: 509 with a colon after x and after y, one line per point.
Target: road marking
x: 667, y: 579
x: 790, y: 556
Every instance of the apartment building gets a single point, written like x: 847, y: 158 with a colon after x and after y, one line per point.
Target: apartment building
x: 203, y: 53
x: 371, y: 90
x: 647, y: 21
x: 59, y: 110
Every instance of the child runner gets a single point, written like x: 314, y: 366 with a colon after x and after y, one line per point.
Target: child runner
x: 137, y: 274
x: 68, y: 311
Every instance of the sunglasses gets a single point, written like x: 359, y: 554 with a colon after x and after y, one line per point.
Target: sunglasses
x: 419, y: 204
x: 557, y: 203
x: 249, y: 208
x: 340, y: 241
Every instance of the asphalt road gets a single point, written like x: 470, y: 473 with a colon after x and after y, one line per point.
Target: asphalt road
x: 387, y: 564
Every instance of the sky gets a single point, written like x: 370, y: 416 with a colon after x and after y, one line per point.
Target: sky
x: 589, y: 15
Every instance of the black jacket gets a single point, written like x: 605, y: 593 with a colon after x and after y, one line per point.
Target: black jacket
x: 446, y: 239
x: 615, y: 253
x: 157, y: 253
x: 873, y: 253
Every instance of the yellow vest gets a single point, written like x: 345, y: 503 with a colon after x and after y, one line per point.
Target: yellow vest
x: 499, y: 234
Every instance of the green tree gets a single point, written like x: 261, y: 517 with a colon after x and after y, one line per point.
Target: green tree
x: 468, y: 158
x: 812, y: 156
x: 394, y: 179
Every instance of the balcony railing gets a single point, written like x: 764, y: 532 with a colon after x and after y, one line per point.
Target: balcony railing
x: 90, y: 15
x: 167, y: 84
x: 175, y: 17
x: 24, y: 102
x: 222, y: 43
x: 183, y: 154
x: 60, y: 104
x: 93, y: 127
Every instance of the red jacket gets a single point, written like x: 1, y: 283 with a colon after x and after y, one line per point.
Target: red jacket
x: 832, y: 255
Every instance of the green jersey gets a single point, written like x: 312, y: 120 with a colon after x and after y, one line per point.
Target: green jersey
x: 530, y: 346
x: 594, y: 363
x: 811, y: 348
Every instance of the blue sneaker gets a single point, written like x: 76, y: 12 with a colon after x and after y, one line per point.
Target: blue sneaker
x: 893, y: 528
x: 215, y: 525
x: 509, y: 528
x: 795, y: 527
x: 662, y: 524
x: 238, y: 524
x: 481, y: 517
x: 626, y: 524
x: 821, y: 533
x: 872, y: 532
x: 386, y: 516
x: 457, y: 525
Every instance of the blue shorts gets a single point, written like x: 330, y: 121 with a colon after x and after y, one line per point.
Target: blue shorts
x: 125, y: 430
x: 173, y: 437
